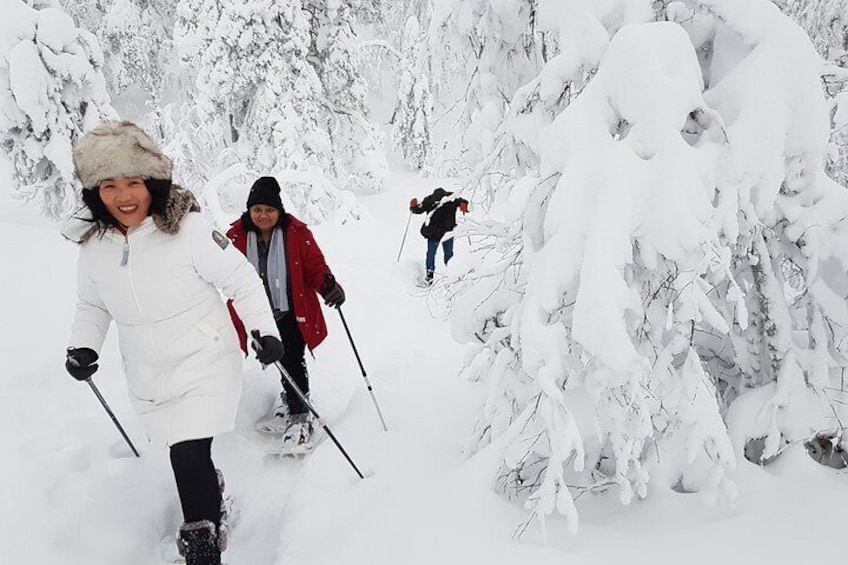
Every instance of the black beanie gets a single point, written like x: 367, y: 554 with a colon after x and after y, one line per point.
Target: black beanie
x: 265, y: 191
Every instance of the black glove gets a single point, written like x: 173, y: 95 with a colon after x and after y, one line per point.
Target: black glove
x: 332, y: 291
x: 81, y: 363
x: 270, y: 349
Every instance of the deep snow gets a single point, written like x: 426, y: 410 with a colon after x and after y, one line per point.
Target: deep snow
x: 72, y: 493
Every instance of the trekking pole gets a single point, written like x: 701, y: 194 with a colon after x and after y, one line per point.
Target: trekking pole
x: 404, y: 237
x: 111, y: 415
x: 285, y: 374
x: 364, y: 375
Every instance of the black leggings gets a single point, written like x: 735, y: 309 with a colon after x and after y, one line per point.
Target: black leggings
x: 197, y: 481
x: 293, y: 362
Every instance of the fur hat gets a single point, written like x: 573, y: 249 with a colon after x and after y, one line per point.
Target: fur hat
x: 265, y: 191
x: 118, y: 149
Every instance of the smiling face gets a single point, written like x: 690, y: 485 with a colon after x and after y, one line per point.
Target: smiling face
x: 126, y: 198
x: 264, y: 217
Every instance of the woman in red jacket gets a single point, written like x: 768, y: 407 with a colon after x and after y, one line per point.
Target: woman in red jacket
x: 283, y: 251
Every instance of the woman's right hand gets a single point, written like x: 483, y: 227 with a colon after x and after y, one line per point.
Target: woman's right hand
x: 81, y: 363
x: 268, y: 348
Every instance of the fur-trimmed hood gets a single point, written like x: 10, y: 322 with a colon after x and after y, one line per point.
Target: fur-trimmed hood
x: 81, y: 226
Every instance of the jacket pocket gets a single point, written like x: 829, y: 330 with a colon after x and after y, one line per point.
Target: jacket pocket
x: 200, y: 338
x: 210, y: 332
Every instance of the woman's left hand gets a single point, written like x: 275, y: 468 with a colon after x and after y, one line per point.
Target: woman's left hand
x: 332, y: 292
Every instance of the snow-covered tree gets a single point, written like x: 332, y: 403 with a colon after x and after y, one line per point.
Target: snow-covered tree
x: 334, y: 49
x: 136, y: 39
x: 277, y: 91
x: 661, y: 278
x: 412, y: 118
x: 51, y: 90
x: 826, y: 22
x: 335, y: 55
x: 255, y: 90
x: 483, y: 52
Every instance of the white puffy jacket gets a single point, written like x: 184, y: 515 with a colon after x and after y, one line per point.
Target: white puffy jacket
x: 180, y: 351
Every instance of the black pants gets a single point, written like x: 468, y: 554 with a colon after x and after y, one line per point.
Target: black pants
x: 197, y: 482
x: 293, y: 361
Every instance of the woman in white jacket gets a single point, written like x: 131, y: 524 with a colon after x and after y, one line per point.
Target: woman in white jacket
x: 152, y: 265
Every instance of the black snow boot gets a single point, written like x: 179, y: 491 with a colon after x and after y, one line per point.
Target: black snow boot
x: 199, y: 543
x: 428, y: 277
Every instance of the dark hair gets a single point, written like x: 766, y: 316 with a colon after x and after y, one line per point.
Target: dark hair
x: 159, y: 190
x: 248, y: 225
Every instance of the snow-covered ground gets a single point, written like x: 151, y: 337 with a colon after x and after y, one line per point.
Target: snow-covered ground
x: 72, y: 493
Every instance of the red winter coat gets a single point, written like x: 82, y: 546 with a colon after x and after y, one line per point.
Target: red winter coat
x: 306, y: 269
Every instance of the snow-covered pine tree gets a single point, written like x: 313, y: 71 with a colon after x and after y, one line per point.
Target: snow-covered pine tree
x: 51, y: 90
x: 789, y: 253
x: 358, y: 155
x: 661, y: 279
x: 138, y: 50
x: 826, y: 22
x: 413, y: 114
x: 336, y: 58
x: 255, y: 90
x: 482, y: 52
x: 148, y: 86
x: 259, y: 92
x: 394, y: 14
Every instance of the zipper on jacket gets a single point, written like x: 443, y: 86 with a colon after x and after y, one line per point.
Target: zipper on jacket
x: 147, y: 322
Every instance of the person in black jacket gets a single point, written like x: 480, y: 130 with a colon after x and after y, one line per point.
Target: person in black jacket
x: 440, y: 207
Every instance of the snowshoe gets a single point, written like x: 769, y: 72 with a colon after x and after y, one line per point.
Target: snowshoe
x: 427, y: 280
x: 277, y: 420
x: 299, y: 438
